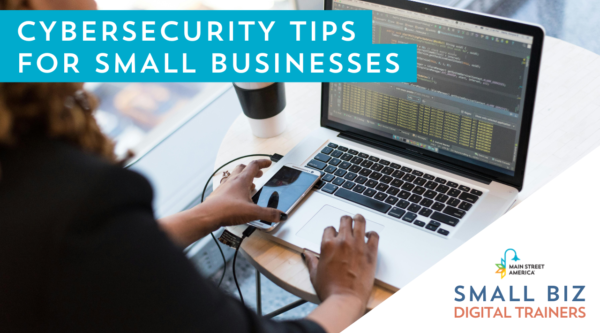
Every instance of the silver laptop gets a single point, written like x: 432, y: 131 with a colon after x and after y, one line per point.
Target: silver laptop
x: 430, y: 163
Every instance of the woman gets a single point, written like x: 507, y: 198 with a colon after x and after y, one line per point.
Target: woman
x: 80, y: 249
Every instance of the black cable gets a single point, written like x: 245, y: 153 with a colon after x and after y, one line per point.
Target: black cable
x: 213, y: 235
x: 245, y: 235
x: 237, y: 285
x: 275, y: 158
x: 222, y: 256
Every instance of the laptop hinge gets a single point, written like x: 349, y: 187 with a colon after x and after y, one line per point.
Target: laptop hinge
x: 415, y: 156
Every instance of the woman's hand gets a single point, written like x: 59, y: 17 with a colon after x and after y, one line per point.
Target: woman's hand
x: 231, y: 203
x: 344, y: 274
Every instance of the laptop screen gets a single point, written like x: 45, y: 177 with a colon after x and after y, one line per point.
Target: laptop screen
x: 469, y: 96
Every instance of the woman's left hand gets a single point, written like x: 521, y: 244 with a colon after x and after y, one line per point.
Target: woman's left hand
x: 231, y: 203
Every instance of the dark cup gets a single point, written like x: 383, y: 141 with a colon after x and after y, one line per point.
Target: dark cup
x: 263, y: 105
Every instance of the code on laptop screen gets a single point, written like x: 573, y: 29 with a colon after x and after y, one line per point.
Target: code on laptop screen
x: 468, y: 99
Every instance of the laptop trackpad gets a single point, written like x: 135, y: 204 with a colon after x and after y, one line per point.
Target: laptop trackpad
x: 329, y: 216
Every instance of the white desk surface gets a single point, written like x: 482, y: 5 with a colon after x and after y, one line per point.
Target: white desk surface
x: 566, y: 127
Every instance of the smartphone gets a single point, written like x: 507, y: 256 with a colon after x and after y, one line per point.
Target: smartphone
x: 284, y: 190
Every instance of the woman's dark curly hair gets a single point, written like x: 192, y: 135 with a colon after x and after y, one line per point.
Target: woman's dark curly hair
x: 51, y: 110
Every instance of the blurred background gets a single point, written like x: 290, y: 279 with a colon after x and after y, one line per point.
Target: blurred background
x: 139, y: 115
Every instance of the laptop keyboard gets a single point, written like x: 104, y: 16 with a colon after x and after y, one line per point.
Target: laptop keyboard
x: 412, y: 196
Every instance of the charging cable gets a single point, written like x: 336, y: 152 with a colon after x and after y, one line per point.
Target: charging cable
x: 227, y: 238
x: 245, y: 235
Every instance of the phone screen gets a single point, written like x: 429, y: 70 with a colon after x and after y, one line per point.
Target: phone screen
x: 284, y: 189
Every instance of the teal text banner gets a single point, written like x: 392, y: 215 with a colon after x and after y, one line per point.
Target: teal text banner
x: 198, y: 46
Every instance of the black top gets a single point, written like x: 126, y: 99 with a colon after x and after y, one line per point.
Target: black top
x: 80, y: 251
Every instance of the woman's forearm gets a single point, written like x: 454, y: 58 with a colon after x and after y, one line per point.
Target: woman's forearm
x: 188, y: 226
x: 337, y: 312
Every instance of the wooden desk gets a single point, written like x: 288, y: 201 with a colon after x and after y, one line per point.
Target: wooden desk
x: 566, y: 127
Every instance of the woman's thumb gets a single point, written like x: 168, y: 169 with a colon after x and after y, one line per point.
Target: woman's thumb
x: 312, y: 262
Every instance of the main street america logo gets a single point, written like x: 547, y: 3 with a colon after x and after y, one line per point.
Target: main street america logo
x: 502, y: 265
x: 515, y: 269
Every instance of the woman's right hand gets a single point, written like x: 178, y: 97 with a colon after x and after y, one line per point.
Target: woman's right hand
x: 347, y: 263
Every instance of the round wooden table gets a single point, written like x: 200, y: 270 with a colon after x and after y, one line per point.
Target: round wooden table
x: 566, y: 127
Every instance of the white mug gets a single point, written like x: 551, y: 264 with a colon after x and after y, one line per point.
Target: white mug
x: 263, y: 104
